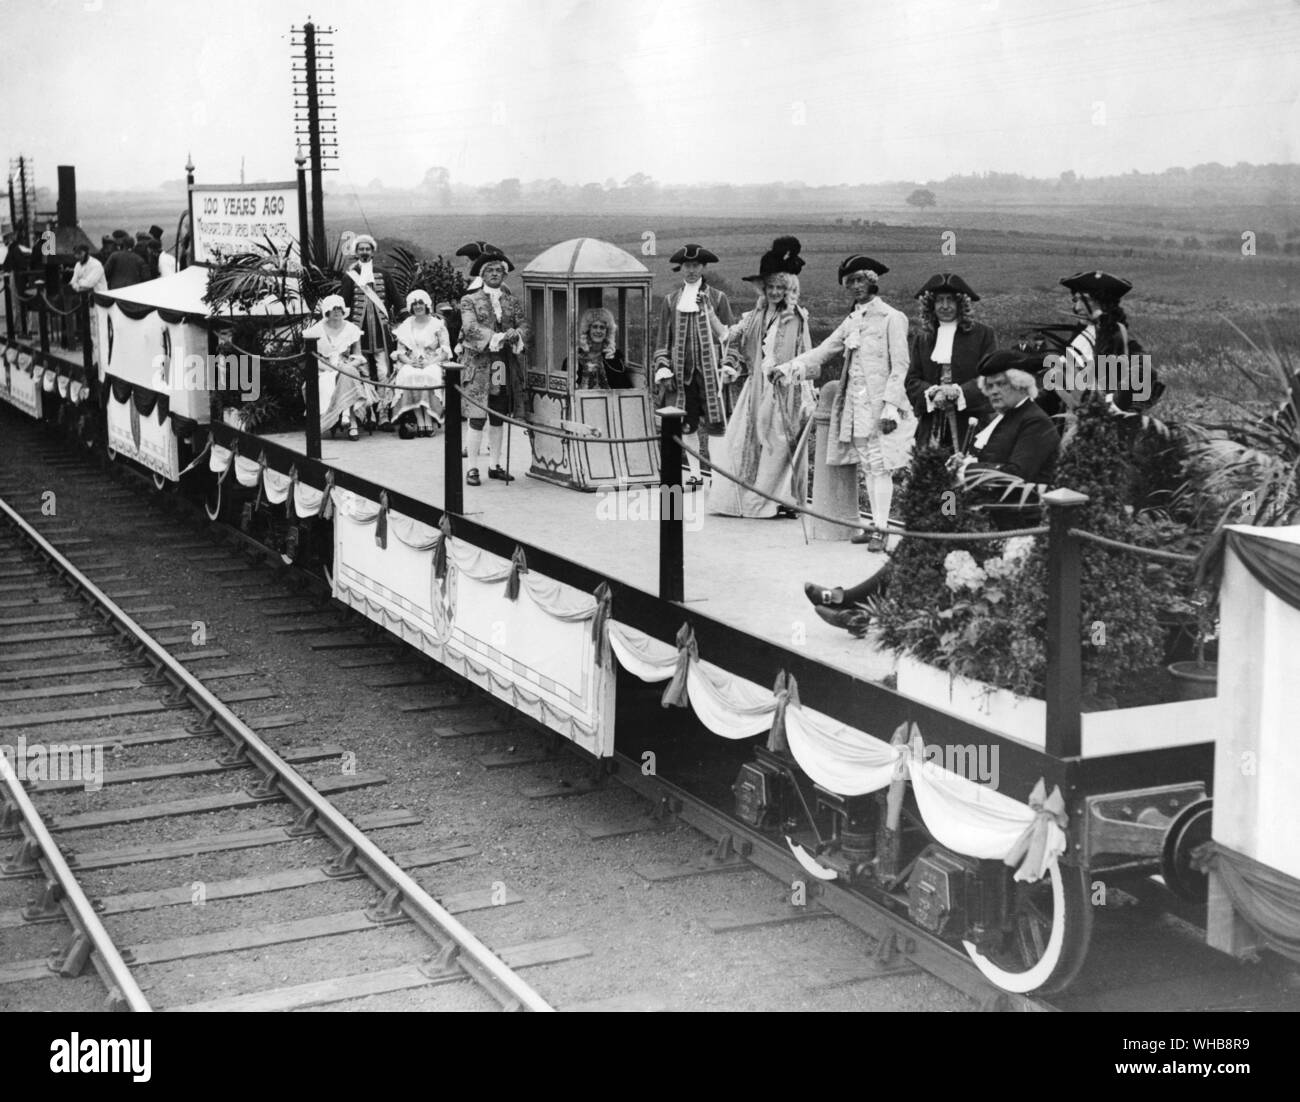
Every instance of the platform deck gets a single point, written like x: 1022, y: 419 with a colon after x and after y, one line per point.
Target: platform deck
x: 748, y: 574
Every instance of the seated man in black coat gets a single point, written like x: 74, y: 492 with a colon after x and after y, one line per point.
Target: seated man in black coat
x: 1019, y: 440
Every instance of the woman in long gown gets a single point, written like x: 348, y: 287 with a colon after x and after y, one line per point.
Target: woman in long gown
x: 423, y: 345
x: 765, y: 433
x: 344, y: 399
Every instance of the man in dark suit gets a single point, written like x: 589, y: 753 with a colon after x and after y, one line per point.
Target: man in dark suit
x: 945, y: 354
x: 1020, y: 439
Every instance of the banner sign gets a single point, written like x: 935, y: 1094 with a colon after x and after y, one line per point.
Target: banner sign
x: 238, y: 218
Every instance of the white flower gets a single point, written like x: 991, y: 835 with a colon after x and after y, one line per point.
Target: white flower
x: 963, y: 571
x: 1017, y: 550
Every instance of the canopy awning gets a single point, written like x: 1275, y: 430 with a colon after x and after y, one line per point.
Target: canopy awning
x: 180, y: 296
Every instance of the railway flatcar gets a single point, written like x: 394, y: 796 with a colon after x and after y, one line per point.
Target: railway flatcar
x: 990, y: 823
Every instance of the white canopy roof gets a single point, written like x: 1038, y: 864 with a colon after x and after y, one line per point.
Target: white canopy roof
x: 183, y: 292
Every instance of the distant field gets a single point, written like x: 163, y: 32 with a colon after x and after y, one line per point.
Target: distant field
x: 1013, y: 257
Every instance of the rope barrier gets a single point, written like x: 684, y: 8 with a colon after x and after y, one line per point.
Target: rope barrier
x: 262, y: 356
x: 596, y: 438
x: 54, y: 309
x: 952, y: 537
x: 1120, y: 545
x: 374, y: 382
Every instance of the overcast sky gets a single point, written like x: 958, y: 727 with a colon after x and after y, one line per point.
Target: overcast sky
x: 739, y: 91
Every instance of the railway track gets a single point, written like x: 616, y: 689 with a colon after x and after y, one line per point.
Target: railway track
x: 112, y: 642
x: 887, y: 950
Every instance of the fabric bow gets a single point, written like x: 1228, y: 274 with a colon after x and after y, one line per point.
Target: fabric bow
x: 1030, y: 849
x: 261, y: 479
x: 518, y: 565
x: 327, y: 502
x: 381, y: 522
x: 903, y: 735
x: 786, y: 691
x: 687, y: 651
x: 440, y: 552
x: 599, y: 635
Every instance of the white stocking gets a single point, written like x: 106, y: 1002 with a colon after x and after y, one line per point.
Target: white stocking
x: 881, y: 492
x: 475, y: 437
x: 496, y: 457
x: 693, y: 439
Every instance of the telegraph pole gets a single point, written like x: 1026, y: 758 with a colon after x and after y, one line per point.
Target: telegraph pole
x: 313, y: 88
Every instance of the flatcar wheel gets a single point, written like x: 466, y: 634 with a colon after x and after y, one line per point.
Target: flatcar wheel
x: 1050, y: 927
x: 1190, y: 828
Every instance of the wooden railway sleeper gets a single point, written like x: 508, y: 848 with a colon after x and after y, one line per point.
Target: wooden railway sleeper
x: 388, y: 910
x: 47, y: 908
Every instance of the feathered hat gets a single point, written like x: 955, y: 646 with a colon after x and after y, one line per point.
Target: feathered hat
x: 783, y: 256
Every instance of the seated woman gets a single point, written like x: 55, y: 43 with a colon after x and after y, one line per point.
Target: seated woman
x: 344, y: 398
x: 423, y: 345
x: 600, y: 363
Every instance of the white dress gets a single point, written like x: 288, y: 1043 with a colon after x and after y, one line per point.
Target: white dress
x: 421, y: 351
x: 339, y: 393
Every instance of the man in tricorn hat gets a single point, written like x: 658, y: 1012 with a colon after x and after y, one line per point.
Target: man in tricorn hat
x: 494, y: 338
x: 692, y: 321
x: 945, y: 353
x: 872, y: 400
x: 368, y: 293
x: 1102, y: 354
x: 1020, y: 440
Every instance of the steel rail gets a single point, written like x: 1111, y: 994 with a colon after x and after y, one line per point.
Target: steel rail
x: 124, y: 992
x: 929, y: 953
x: 475, y: 958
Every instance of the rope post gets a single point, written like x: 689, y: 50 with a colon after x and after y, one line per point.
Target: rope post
x: 311, y: 377
x: 83, y: 327
x: 672, y: 584
x: 43, y: 322
x: 1064, y: 626
x: 453, y: 492
x: 9, y: 309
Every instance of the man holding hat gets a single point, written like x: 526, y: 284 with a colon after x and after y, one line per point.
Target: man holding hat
x: 872, y: 399
x: 692, y: 322
x: 945, y: 354
x: 493, y: 338
x: 368, y: 295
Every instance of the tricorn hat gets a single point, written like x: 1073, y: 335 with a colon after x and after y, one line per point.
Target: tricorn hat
x: 1098, y: 285
x: 691, y: 252
x: 783, y: 256
x: 859, y: 263
x: 484, y: 255
x: 995, y: 363
x: 946, y: 283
